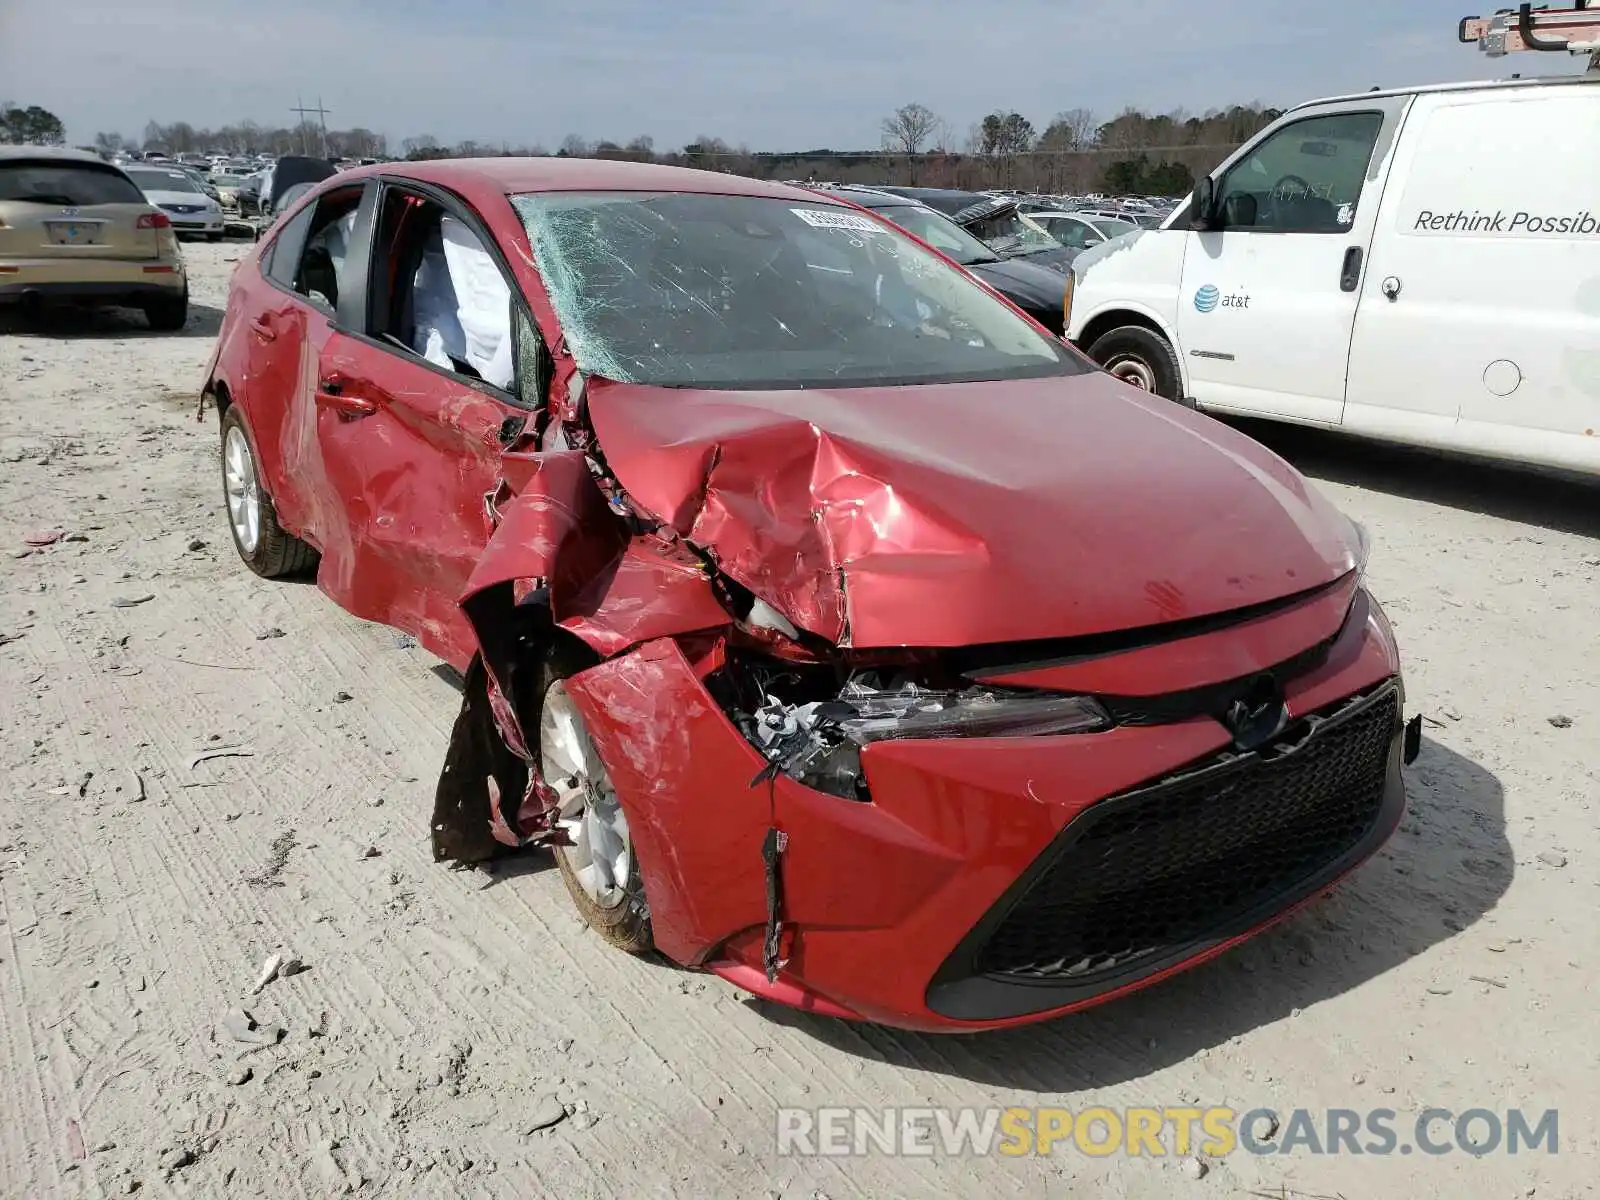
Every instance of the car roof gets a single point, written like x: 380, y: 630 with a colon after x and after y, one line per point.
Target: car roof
x: 871, y: 197
x: 1468, y: 85
x: 511, y: 176
x: 62, y: 153
x: 949, y: 195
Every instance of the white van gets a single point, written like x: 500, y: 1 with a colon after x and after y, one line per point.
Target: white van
x: 1418, y: 265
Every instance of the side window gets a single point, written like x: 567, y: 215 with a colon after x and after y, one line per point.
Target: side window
x: 447, y: 300
x: 284, y: 250
x: 1305, y: 178
x: 332, y: 221
x: 1070, y: 231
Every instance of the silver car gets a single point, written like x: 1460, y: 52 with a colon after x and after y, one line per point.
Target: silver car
x: 176, y: 193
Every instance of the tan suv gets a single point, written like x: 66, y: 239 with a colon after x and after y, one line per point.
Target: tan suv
x: 75, y: 228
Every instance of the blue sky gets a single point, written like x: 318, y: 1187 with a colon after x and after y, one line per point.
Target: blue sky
x: 768, y: 74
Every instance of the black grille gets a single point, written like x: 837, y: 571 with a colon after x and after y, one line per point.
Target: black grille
x: 1140, y: 874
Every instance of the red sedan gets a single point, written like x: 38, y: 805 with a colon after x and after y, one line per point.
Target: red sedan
x: 839, y: 630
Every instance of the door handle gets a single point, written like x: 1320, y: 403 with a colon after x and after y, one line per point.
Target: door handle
x: 1391, y: 286
x: 1350, y: 273
x: 262, y: 330
x: 332, y: 396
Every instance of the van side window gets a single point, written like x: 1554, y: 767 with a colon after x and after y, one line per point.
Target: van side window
x: 1305, y: 178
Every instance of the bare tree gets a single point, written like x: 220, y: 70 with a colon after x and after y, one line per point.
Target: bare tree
x: 1081, y: 123
x: 573, y: 146
x: 908, y: 131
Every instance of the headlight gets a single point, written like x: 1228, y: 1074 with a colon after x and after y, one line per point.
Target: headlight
x: 819, y: 743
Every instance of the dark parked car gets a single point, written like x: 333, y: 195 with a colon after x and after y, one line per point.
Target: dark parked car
x: 997, y: 221
x: 837, y: 629
x: 1038, y: 291
x: 286, y: 173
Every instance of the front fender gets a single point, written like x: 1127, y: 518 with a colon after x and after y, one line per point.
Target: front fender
x: 611, y: 589
x: 560, y: 559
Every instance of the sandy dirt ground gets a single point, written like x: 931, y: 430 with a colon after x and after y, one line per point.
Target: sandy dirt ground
x: 444, y: 1015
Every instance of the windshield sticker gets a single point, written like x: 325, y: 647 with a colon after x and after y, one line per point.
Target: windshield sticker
x: 837, y: 219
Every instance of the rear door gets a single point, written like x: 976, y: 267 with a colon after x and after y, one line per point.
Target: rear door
x: 1268, y: 302
x: 60, y: 210
x: 413, y: 392
x: 289, y: 315
x: 1479, y: 322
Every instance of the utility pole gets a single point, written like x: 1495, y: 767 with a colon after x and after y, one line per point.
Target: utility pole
x: 322, y: 123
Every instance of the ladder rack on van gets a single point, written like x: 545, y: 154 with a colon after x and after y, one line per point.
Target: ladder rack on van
x: 1574, y: 30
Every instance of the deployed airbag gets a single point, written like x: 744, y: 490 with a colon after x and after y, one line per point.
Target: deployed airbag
x: 483, y: 303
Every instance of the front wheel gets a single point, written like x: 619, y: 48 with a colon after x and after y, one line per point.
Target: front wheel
x: 598, y: 862
x: 1141, y: 358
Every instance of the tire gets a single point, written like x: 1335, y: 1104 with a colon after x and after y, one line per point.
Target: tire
x: 621, y: 914
x: 275, y: 553
x: 1141, y: 358
x: 168, y: 315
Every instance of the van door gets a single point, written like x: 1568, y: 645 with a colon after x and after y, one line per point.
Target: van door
x: 1479, y: 323
x: 1268, y: 299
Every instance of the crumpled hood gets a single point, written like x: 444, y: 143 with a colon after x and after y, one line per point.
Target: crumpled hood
x: 972, y: 513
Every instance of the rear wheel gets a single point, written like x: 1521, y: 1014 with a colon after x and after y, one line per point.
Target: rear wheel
x: 1140, y: 357
x: 599, y: 865
x: 266, y: 547
x: 168, y: 314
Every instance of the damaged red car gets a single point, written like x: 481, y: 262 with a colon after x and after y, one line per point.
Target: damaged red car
x: 838, y: 629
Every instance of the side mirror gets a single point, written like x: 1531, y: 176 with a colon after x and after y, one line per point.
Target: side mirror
x: 1204, y: 216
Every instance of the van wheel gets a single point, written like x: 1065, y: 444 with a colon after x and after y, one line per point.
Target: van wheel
x: 598, y: 862
x: 1140, y: 357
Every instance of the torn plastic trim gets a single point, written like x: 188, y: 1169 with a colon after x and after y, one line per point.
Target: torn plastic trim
x: 818, y: 742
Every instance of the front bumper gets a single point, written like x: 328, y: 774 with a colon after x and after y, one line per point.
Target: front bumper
x: 202, y: 222
x: 942, y: 904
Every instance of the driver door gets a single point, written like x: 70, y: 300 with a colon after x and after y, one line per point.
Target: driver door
x: 1268, y: 301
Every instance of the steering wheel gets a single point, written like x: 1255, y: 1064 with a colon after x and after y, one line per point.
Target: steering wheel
x: 1281, y: 192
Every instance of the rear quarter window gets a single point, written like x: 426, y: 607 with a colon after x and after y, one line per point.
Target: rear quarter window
x: 69, y: 184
